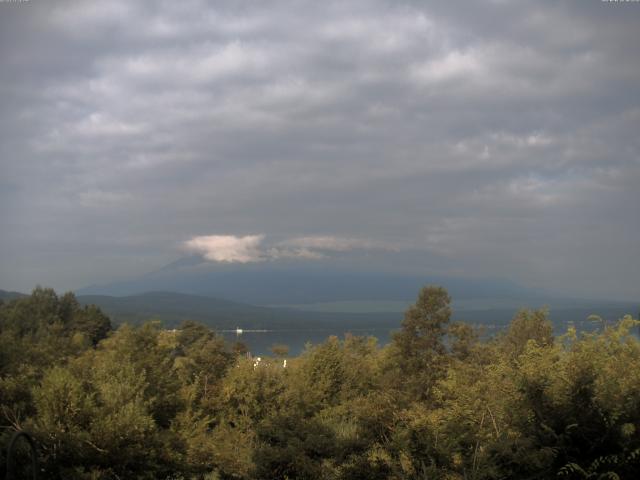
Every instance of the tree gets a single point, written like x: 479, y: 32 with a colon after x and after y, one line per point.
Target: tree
x: 91, y: 322
x: 463, y: 340
x: 292, y: 447
x: 418, y: 349
x: 528, y: 325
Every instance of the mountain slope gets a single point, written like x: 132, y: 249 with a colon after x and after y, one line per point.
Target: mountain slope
x: 272, y: 283
x: 6, y: 295
x: 172, y: 308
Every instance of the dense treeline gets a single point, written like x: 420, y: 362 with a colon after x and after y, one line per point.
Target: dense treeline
x: 436, y: 403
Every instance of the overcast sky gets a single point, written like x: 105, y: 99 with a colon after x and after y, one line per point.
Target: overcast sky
x: 496, y: 139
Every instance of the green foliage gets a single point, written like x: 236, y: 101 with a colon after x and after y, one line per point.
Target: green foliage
x: 436, y: 403
x: 528, y: 326
x: 290, y: 446
x: 418, y: 350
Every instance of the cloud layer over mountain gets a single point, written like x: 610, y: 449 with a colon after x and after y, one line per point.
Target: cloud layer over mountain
x: 253, y: 248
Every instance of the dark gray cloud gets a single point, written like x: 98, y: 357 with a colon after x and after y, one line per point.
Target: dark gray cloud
x: 495, y: 138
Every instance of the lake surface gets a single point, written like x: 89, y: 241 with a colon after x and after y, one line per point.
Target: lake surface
x: 490, y: 323
x: 260, y: 343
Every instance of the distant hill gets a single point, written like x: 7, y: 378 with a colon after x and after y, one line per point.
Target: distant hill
x: 5, y: 295
x: 172, y: 308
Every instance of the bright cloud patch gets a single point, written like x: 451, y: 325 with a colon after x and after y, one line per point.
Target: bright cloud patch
x: 227, y: 248
x: 253, y: 248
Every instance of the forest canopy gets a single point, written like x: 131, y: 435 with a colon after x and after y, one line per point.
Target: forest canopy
x: 437, y: 402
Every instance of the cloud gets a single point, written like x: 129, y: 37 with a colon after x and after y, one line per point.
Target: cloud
x: 99, y: 198
x: 453, y: 65
x: 275, y: 253
x: 328, y: 243
x: 319, y: 246
x: 253, y: 248
x: 227, y: 248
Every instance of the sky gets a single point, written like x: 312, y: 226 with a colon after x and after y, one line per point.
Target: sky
x: 486, y: 138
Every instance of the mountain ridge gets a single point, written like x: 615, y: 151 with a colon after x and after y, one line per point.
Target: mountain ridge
x: 283, y: 282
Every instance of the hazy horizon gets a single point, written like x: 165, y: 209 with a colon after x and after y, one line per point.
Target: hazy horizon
x: 489, y: 140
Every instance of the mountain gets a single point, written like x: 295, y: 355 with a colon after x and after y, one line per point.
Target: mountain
x: 314, y: 295
x: 281, y: 282
x: 6, y: 295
